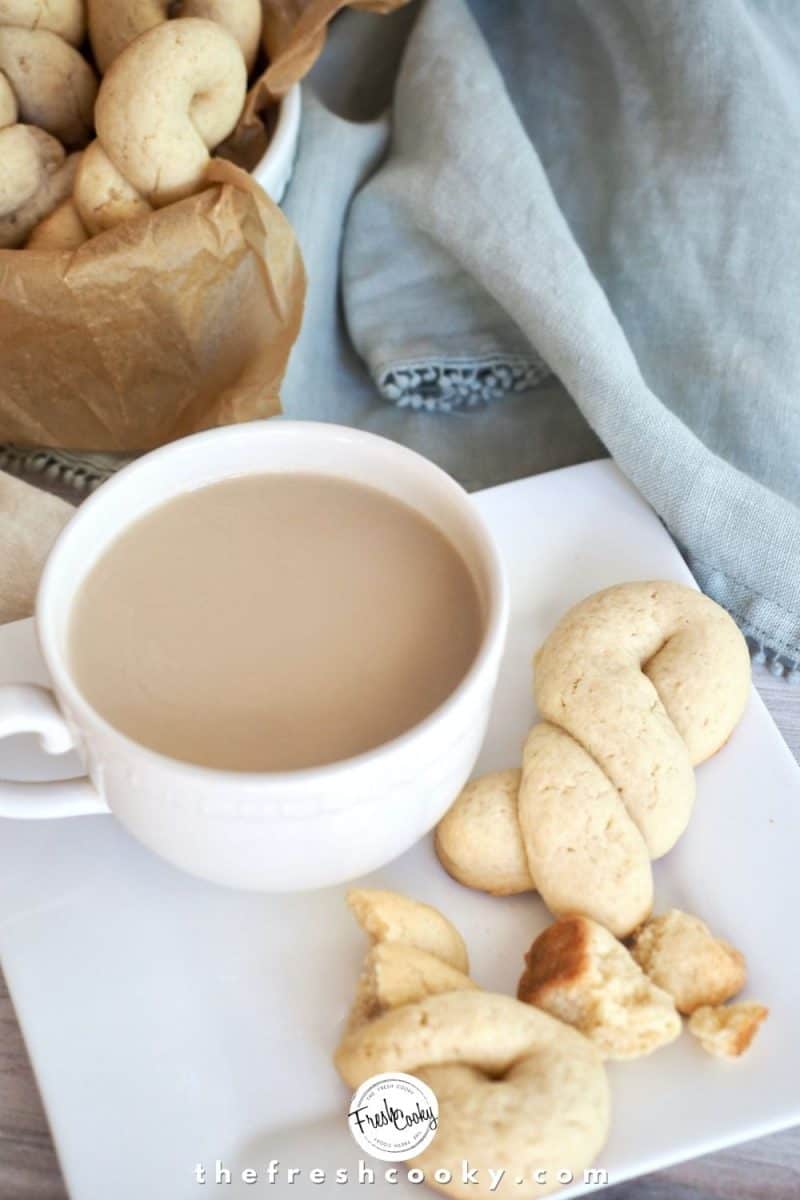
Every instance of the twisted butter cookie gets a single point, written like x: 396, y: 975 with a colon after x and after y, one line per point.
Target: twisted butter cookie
x: 635, y: 685
x: 516, y: 1088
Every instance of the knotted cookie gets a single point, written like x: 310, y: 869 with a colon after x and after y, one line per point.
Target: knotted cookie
x: 636, y: 685
x: 517, y: 1089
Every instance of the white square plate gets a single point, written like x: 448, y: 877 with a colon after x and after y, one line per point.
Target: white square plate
x: 172, y: 1022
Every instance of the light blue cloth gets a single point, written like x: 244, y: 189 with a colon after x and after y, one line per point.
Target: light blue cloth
x: 608, y: 188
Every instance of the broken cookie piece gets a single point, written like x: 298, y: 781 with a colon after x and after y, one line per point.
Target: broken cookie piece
x: 391, y: 917
x: 727, y: 1029
x: 394, y: 974
x: 681, y: 955
x: 577, y: 971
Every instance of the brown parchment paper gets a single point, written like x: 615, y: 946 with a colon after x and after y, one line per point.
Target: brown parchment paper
x: 294, y: 35
x: 293, y: 38
x: 177, y: 321
x: 165, y: 325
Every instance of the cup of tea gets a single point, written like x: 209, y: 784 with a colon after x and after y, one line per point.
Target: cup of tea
x: 274, y: 647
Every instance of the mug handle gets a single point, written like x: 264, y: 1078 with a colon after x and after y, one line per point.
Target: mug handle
x: 27, y: 708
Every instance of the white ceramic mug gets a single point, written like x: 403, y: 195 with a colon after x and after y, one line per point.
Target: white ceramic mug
x: 285, y: 831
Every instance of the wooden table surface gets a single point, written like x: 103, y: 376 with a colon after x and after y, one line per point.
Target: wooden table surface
x: 768, y: 1169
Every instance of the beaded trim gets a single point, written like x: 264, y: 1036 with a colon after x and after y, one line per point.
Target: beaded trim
x: 55, y: 468
x: 777, y: 664
x: 431, y: 385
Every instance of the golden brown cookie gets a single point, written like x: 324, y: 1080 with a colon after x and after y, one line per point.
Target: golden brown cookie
x: 635, y: 685
x: 728, y: 1030
x: 391, y: 917
x: 577, y: 971
x: 61, y: 230
x: 171, y: 96
x: 514, y: 1086
x: 53, y: 84
x: 113, y: 24
x: 682, y: 956
x: 485, y: 829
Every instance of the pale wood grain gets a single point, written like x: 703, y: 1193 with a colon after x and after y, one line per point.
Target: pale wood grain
x: 768, y: 1169
x: 28, y: 1164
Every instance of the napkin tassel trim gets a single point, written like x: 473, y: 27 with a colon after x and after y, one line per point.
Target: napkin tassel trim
x: 451, y: 385
x: 777, y: 664
x: 51, y: 471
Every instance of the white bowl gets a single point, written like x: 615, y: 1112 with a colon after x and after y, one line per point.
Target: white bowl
x: 274, y: 170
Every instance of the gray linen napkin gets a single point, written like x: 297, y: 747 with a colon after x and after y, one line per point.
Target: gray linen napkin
x: 607, y: 186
